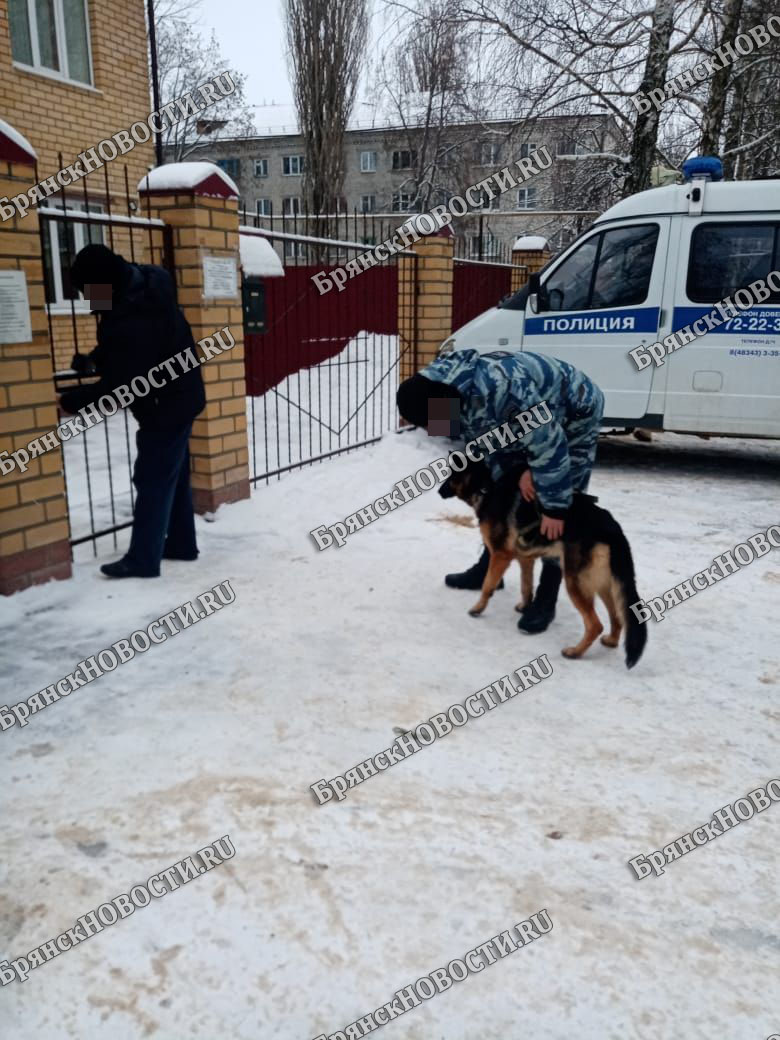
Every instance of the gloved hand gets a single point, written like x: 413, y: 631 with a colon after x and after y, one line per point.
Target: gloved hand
x: 83, y: 364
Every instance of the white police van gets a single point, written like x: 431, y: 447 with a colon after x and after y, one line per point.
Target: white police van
x: 650, y: 265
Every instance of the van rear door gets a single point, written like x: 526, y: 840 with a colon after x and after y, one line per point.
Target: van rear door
x: 727, y: 381
x: 601, y: 300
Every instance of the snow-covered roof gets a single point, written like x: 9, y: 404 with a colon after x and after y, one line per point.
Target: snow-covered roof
x: 258, y: 257
x: 17, y: 139
x: 184, y: 176
x: 531, y: 242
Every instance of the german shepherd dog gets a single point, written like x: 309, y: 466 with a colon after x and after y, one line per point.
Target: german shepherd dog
x: 594, y: 553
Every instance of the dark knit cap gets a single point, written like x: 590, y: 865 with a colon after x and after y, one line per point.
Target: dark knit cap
x: 415, y: 393
x: 97, y: 264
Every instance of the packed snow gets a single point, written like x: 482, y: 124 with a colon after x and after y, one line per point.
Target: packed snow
x: 326, y: 911
x: 184, y: 176
x: 258, y: 257
x: 13, y: 135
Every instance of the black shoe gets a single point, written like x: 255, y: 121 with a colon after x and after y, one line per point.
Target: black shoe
x: 124, y: 569
x: 169, y: 554
x: 473, y: 577
x: 540, y: 612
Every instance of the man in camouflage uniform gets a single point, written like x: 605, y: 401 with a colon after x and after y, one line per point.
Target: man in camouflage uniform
x: 483, y: 391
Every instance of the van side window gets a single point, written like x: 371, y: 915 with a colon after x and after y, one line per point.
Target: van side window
x: 611, y: 269
x: 728, y: 257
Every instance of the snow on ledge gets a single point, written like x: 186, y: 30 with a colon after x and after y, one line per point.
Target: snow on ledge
x: 258, y: 257
x: 531, y: 242
x: 17, y: 140
x: 186, y: 176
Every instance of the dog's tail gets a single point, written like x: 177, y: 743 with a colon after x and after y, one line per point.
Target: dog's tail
x: 622, y: 565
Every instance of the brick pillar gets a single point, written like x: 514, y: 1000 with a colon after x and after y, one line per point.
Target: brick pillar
x: 533, y: 259
x: 425, y: 319
x: 34, y: 534
x: 207, y: 226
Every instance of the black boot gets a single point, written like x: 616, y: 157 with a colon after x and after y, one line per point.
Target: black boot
x: 473, y: 577
x: 124, y: 568
x: 541, y: 610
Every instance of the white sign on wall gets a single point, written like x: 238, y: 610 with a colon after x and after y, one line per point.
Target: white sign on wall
x: 220, y: 277
x: 14, y: 308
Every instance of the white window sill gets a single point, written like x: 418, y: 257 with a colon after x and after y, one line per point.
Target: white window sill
x: 56, y: 76
x: 58, y: 310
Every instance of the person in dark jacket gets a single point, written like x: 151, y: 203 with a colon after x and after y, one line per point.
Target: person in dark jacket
x: 140, y: 326
x: 479, y: 392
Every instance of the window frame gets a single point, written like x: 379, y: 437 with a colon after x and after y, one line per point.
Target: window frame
x: 525, y: 191
x: 287, y: 159
x: 62, y: 304
x: 61, y: 44
x: 258, y: 212
x: 295, y: 210
x: 258, y: 162
x: 411, y: 152
x: 774, y: 257
x: 370, y: 209
x: 600, y: 235
x: 495, y: 159
x: 368, y: 169
x: 231, y: 159
x: 401, y: 195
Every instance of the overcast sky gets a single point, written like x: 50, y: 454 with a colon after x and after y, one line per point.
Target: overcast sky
x: 251, y: 36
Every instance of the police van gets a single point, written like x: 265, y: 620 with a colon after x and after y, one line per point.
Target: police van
x: 651, y: 265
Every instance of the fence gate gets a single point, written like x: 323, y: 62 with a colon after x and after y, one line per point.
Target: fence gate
x: 478, y: 285
x: 322, y: 374
x: 98, y: 463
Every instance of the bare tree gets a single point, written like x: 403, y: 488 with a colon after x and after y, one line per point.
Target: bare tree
x: 185, y: 60
x: 424, y: 78
x: 327, y: 43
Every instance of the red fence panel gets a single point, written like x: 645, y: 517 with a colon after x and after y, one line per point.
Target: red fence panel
x: 476, y: 286
x: 305, y: 328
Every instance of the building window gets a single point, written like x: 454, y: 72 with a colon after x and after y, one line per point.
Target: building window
x: 402, y: 201
x: 368, y: 162
x: 489, y: 152
x: 527, y: 148
x: 487, y: 246
x: 232, y: 167
x: 291, y: 205
x: 62, y: 240
x: 263, y: 207
x: 261, y: 167
x: 292, y: 165
x: 52, y: 36
x: 485, y: 201
x: 295, y: 250
x: 368, y: 203
x: 404, y: 159
x: 367, y: 240
x: 526, y: 198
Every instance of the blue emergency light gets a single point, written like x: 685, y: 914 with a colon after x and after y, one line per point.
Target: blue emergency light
x: 704, y: 167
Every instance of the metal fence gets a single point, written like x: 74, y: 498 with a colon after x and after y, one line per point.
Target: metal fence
x: 321, y: 377
x: 98, y: 463
x: 478, y: 285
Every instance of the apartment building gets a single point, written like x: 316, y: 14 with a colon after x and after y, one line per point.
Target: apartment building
x: 383, y: 172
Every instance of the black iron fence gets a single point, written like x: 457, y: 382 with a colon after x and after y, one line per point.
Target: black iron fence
x: 98, y: 463
x: 322, y: 376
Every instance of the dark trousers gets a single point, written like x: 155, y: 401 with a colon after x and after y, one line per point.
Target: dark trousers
x: 163, y: 517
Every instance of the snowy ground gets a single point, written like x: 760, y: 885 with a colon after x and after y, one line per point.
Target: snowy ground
x: 324, y: 912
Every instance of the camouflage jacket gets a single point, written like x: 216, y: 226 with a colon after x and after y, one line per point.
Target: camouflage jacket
x: 495, y: 387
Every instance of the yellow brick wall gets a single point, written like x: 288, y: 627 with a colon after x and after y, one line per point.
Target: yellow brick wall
x: 432, y: 323
x: 219, y: 444
x: 33, y: 523
x: 61, y: 117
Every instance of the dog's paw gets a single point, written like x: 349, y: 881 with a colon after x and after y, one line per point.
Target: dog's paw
x: 571, y: 652
x: 475, y: 611
x: 520, y: 607
x: 610, y: 641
